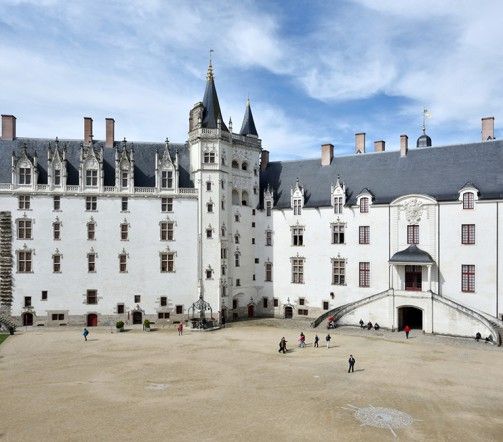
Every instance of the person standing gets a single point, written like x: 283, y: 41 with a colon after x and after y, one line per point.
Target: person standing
x: 406, y: 329
x: 85, y: 333
x: 351, y: 361
x: 361, y: 323
x: 302, y: 340
x: 282, y: 345
x: 316, y: 340
x: 327, y: 339
x: 180, y: 329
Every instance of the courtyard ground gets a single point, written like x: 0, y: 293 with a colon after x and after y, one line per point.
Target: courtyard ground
x: 233, y: 384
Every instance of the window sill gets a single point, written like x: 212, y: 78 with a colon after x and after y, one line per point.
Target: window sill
x: 25, y: 273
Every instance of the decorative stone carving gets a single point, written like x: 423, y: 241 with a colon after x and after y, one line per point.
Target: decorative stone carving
x: 413, y: 210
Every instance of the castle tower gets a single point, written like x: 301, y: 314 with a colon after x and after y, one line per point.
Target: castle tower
x: 224, y: 167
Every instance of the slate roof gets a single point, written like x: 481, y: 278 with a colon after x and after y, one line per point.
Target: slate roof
x: 211, y: 112
x: 144, y: 157
x: 412, y: 254
x: 248, y: 127
x: 439, y: 172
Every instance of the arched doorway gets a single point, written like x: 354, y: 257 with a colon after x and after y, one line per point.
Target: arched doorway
x: 251, y: 311
x: 27, y: 319
x: 92, y: 320
x: 288, y: 312
x: 137, y: 317
x: 411, y: 316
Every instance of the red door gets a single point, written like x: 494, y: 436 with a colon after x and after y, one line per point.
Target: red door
x: 413, y: 278
x: 92, y: 320
x: 251, y: 311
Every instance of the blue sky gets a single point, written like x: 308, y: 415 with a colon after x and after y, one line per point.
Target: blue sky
x: 315, y: 71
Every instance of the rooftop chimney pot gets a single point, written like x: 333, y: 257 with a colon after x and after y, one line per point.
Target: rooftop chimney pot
x: 404, y: 145
x: 8, y: 127
x: 110, y: 132
x: 88, y: 130
x: 487, y: 128
x: 379, y: 146
x: 360, y: 142
x: 264, y: 159
x: 327, y: 154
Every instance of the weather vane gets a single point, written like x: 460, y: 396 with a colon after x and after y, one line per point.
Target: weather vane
x: 426, y: 114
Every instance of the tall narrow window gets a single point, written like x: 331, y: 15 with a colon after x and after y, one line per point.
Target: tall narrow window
x: 124, y: 179
x: 122, y: 263
x: 91, y: 231
x: 163, y: 301
x: 91, y: 177
x: 208, y: 186
x: 298, y: 236
x: 298, y: 270
x: 24, y: 229
x: 468, y: 234
x: 167, y: 262
x: 124, y: 232
x: 166, y: 204
x: 268, y: 238
x: 167, y: 179
x: 364, y: 205
x: 24, y: 202
x: 56, y: 263
x: 338, y: 233
x: 268, y: 208
x: 268, y: 271
x: 24, y: 262
x: 124, y: 204
x: 236, y: 260
x: 56, y: 203
x: 413, y: 234
x: 338, y: 204
x: 297, y: 206
x: 56, y: 231
x: 338, y: 272
x: 468, y: 200
x: 364, y: 274
x: 92, y: 297
x: 167, y: 231
x: 57, y: 177
x: 91, y: 262
x: 24, y: 175
x: 364, y: 234
x: 468, y: 278
x: 236, y: 239
x: 223, y: 253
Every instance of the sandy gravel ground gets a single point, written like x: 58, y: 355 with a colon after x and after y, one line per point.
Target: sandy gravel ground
x: 233, y: 385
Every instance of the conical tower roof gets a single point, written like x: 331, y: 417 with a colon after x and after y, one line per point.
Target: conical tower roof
x: 212, y: 112
x: 248, y: 127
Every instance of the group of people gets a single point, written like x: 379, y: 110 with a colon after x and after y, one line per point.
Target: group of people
x: 478, y: 337
x: 369, y: 325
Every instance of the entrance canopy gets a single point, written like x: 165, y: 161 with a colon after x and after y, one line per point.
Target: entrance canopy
x: 412, y: 255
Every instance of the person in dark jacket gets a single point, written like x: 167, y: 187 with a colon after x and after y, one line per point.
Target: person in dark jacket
x: 327, y: 339
x: 316, y: 340
x: 369, y: 326
x: 478, y: 337
x: 351, y: 361
x: 85, y: 333
x: 376, y: 326
x: 361, y: 323
x: 282, y: 345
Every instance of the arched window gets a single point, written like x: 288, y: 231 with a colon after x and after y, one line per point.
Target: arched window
x: 235, y: 197
x: 235, y: 164
x: 244, y: 198
x: 244, y: 166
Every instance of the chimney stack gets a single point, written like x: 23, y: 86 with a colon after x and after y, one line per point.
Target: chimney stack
x: 487, y: 128
x: 110, y: 132
x: 88, y: 130
x: 360, y: 142
x: 327, y: 154
x: 379, y: 146
x: 8, y: 127
x: 404, y: 145
x: 264, y: 159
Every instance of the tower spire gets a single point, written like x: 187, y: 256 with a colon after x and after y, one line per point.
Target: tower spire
x: 209, y: 75
x: 212, y: 115
x: 248, y: 127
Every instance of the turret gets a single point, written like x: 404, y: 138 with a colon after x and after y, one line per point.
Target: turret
x: 248, y: 126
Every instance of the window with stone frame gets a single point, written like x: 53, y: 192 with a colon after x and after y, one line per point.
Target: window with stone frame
x: 364, y: 205
x: 325, y: 305
x: 56, y: 203
x: 297, y: 206
x: 364, y: 274
x: 179, y: 309
x: 238, y: 282
x: 268, y: 238
x: 338, y: 271
x: 56, y: 263
x: 237, y: 260
x: 122, y: 263
x: 91, y: 262
x: 167, y: 230
x: 57, y: 177
x: 124, y: 204
x: 209, y: 207
x: 265, y: 302
x: 297, y: 236
x: 27, y: 301
x: 276, y: 302
x: 137, y: 299
x: 268, y: 271
x: 24, y: 261
x: 124, y: 179
x: 163, y: 315
x: 302, y: 301
x: 120, y: 309
x: 166, y: 204
x: 468, y: 200
x: 91, y: 178
x: 25, y: 175
x: 124, y: 232
x: 91, y: 203
x: 209, y: 157
x: 268, y: 208
x: 468, y: 278
x: 223, y: 253
x: 468, y: 234
x: 338, y: 204
x: 24, y: 229
x: 236, y: 238
x: 167, y: 179
x: 209, y: 233
x: 302, y: 312
x: 91, y: 231
x: 92, y: 297
x: 24, y: 202
x: 364, y: 235
x: 338, y: 233
x: 297, y: 270
x: 167, y: 262
x: 208, y: 186
x: 413, y: 234
x: 163, y: 301
x: 209, y: 273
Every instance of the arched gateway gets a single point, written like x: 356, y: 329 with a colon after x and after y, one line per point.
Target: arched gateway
x: 411, y: 316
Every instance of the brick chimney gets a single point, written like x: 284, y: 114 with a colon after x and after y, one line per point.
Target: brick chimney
x: 88, y: 130
x: 404, y: 145
x: 327, y: 154
x: 110, y: 132
x: 8, y: 127
x: 360, y: 142
x: 264, y: 159
x: 379, y: 146
x: 487, y: 128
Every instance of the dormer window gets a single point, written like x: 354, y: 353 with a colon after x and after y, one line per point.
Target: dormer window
x: 364, y: 205
x: 124, y: 179
x: 167, y: 179
x: 297, y: 198
x: 468, y: 200
x: 91, y: 178
x: 24, y: 175
x: 57, y: 177
x: 297, y: 206
x: 268, y: 208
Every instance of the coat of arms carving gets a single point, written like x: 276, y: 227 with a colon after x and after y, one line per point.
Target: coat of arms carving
x: 413, y: 211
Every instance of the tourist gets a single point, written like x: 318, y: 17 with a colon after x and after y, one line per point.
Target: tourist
x: 361, y: 323
x: 316, y: 340
x: 351, y: 361
x: 369, y: 326
x: 328, y: 340
x: 180, y: 329
x: 85, y: 333
x: 406, y: 329
x: 282, y: 345
x: 376, y: 326
x: 478, y: 337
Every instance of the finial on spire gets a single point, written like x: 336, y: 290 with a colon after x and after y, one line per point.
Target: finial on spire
x: 426, y: 114
x: 210, y: 68
x: 166, y: 141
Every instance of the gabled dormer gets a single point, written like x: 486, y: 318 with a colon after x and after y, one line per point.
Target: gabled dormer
x: 91, y: 176
x: 297, y: 198
x: 124, y: 167
x: 338, y: 195
x: 56, y: 166
x: 468, y: 194
x: 364, y: 200
x: 166, y: 170
x: 24, y: 169
x: 268, y: 201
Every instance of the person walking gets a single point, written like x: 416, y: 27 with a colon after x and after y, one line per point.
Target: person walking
x: 302, y: 340
x: 180, y: 329
x: 406, y: 329
x: 85, y: 333
x: 351, y: 361
x: 327, y: 339
x: 316, y: 340
x: 282, y: 345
